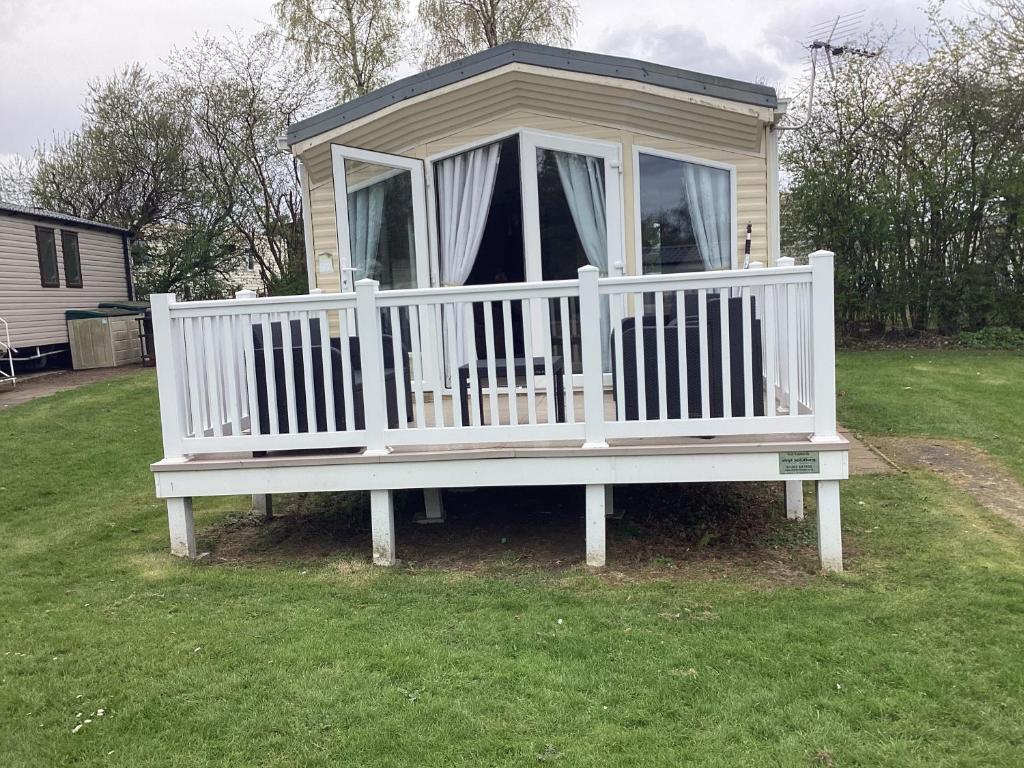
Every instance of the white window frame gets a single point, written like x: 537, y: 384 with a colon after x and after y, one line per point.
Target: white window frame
x: 610, y: 152
x: 637, y: 234
x: 400, y: 163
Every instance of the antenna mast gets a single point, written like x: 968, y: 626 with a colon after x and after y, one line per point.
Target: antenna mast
x: 821, y: 40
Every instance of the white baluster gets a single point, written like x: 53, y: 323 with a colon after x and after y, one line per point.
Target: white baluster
x: 590, y: 342
x: 824, y: 357
x: 371, y: 363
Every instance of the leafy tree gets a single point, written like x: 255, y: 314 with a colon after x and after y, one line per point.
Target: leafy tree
x: 356, y: 44
x: 457, y: 28
x: 128, y: 163
x: 911, y: 170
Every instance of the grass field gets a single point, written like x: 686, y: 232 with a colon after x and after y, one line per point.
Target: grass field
x: 911, y: 658
x: 969, y: 394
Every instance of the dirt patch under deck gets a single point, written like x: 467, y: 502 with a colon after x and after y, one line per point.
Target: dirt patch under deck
x: 696, y: 531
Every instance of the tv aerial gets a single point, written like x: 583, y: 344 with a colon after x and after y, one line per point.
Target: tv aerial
x: 822, y: 41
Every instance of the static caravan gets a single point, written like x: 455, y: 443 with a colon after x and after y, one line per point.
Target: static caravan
x: 50, y: 263
x: 526, y: 267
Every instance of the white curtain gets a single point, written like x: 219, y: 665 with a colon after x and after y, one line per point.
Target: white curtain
x: 465, y: 184
x: 709, y: 201
x: 583, y: 183
x: 365, y: 216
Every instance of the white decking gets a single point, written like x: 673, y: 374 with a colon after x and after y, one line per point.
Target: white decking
x: 214, y: 381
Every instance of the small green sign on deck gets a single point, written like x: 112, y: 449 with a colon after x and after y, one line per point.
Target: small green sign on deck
x: 798, y: 463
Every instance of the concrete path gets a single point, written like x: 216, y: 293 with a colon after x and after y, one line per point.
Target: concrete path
x: 35, y: 385
x: 864, y: 459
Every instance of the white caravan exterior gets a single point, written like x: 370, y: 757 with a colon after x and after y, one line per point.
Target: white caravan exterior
x: 38, y: 279
x: 526, y: 268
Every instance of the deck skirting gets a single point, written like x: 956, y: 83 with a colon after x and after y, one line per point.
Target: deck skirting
x: 733, y: 462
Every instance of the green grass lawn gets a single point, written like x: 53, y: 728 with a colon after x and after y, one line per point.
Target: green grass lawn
x: 969, y: 394
x: 911, y: 658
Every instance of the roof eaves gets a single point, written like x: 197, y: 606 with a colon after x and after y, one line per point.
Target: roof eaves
x: 41, y: 214
x: 537, y: 55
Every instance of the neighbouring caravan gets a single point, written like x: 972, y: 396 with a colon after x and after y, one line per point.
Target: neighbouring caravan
x: 49, y: 263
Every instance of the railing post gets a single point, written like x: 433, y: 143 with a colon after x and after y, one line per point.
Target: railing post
x: 593, y: 373
x: 823, y: 342
x: 372, y: 365
x: 168, y: 367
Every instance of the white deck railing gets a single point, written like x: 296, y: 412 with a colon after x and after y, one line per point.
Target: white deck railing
x: 760, y: 362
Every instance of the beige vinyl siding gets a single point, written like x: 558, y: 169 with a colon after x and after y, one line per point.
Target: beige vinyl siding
x: 36, y: 314
x: 626, y: 115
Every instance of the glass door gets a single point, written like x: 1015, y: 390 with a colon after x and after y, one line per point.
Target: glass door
x: 380, y: 204
x: 572, y: 217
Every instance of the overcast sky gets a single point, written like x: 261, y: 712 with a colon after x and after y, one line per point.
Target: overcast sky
x: 50, y: 49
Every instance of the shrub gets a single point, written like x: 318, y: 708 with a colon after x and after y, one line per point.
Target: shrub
x: 995, y: 337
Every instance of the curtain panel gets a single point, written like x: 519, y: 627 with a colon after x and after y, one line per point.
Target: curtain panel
x: 465, y: 185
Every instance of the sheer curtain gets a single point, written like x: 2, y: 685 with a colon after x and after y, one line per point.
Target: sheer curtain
x: 465, y: 184
x: 709, y: 201
x: 583, y: 183
x: 365, y: 216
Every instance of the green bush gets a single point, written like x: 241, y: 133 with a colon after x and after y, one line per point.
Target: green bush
x: 995, y: 337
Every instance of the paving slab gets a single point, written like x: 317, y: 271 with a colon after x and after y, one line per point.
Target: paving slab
x: 35, y: 385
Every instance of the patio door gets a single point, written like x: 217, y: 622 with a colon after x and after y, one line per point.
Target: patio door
x: 572, y: 217
x: 380, y: 205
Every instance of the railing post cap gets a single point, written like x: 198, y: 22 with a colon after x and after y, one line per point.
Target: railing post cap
x: 245, y: 294
x: 588, y: 269
x: 315, y: 291
x: 818, y: 255
x: 786, y: 261
x: 756, y: 265
x: 367, y: 282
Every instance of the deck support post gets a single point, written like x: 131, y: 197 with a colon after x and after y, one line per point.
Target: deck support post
x: 382, y: 525
x: 794, y: 500
x: 830, y: 540
x: 609, y: 501
x: 182, y: 527
x: 433, y: 507
x: 263, y: 505
x: 596, y: 501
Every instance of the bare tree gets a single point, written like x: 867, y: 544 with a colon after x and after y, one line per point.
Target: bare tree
x: 355, y: 44
x: 457, y: 28
x: 16, y: 174
x: 241, y: 94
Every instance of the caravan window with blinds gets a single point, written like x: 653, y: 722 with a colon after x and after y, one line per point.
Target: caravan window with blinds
x: 72, y: 259
x: 685, y: 214
x: 46, y: 249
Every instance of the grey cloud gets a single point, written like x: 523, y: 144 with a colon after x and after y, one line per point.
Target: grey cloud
x: 688, y: 47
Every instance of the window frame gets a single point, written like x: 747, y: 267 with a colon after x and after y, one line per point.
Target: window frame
x: 400, y: 164
x: 638, y: 263
x: 39, y: 257
x: 65, y: 236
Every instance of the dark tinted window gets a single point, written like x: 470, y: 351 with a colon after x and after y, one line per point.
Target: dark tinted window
x: 675, y: 234
x: 72, y: 259
x: 46, y: 248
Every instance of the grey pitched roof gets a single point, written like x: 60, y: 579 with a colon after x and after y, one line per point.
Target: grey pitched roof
x: 538, y: 55
x: 31, y: 212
